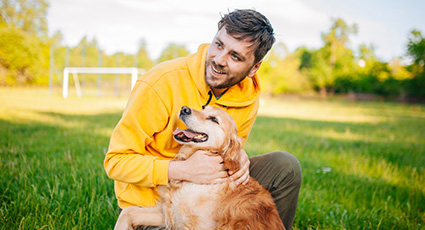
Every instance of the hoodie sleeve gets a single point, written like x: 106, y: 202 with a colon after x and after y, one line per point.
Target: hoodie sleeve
x: 128, y: 159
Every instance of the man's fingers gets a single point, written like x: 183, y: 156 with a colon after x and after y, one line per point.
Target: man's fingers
x: 218, y: 178
x: 204, y: 168
x: 241, y: 176
x: 240, y: 172
x: 243, y: 179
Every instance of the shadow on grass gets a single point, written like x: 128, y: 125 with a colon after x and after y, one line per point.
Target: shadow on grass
x: 398, y: 142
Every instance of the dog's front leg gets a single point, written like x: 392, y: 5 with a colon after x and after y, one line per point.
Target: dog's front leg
x: 131, y: 217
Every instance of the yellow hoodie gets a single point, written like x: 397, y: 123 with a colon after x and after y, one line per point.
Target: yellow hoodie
x: 142, y: 143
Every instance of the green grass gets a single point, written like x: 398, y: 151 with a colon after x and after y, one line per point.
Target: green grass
x: 363, y: 163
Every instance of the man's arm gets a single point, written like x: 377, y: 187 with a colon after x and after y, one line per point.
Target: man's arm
x: 128, y: 159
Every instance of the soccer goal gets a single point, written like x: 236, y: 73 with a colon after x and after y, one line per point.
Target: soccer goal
x: 135, y: 72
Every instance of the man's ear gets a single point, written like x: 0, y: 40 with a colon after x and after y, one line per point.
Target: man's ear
x: 254, y: 69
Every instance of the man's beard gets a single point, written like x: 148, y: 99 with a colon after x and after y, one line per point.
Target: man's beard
x: 227, y: 83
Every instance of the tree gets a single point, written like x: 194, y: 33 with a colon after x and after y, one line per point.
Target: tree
x: 398, y: 70
x: 172, y: 51
x: 24, y: 45
x: 280, y: 71
x: 372, y: 76
x: 21, y: 57
x: 370, y: 65
x: 142, y: 59
x: 28, y: 15
x: 335, y: 59
x: 85, y: 53
x: 416, y: 50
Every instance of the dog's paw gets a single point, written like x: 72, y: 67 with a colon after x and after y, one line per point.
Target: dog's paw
x: 123, y: 222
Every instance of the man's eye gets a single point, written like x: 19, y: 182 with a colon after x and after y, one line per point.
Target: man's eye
x: 236, y: 57
x: 218, y: 44
x: 213, y: 119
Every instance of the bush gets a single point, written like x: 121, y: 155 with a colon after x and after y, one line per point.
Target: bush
x: 369, y: 84
x: 21, y: 57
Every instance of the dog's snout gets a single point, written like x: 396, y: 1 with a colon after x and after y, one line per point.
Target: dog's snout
x: 185, y: 111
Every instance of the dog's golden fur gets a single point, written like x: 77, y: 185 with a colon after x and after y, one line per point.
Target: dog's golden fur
x: 185, y: 205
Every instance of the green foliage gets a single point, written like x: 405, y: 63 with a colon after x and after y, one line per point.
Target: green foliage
x: 334, y: 59
x: 370, y: 76
x: 86, y: 54
x: 23, y: 42
x: 281, y: 74
x: 28, y: 15
x: 398, y: 71
x: 172, y: 51
x: 22, y: 60
x: 333, y: 68
x: 142, y: 58
x: 321, y: 72
x: 26, y: 49
x: 416, y: 49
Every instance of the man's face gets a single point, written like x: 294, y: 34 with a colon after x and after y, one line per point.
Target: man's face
x: 228, y: 61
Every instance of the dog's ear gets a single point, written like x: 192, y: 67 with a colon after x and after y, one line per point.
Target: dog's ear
x: 231, y: 151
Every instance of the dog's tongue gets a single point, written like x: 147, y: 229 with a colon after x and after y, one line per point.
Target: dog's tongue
x: 187, y: 132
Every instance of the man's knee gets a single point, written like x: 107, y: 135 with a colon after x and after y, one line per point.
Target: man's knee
x: 288, y: 164
x: 279, y: 165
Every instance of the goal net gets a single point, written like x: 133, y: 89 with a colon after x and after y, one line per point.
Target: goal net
x: 135, y: 72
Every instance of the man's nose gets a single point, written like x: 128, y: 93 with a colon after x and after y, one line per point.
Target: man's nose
x: 220, y: 59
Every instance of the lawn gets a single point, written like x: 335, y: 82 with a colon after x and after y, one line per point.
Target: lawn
x: 363, y: 162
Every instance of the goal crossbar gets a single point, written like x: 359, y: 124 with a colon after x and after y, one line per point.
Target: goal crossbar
x: 99, y: 70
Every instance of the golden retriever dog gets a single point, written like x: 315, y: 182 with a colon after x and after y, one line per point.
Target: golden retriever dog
x: 185, y: 205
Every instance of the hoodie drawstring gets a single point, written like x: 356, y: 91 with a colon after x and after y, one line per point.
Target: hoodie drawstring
x: 209, y: 99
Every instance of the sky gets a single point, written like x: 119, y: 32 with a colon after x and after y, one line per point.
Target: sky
x: 120, y: 25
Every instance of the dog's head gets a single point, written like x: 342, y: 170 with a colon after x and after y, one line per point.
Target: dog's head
x: 212, y: 129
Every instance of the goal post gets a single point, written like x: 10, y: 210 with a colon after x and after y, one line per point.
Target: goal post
x: 135, y: 72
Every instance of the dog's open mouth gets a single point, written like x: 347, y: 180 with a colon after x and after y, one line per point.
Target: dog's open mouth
x: 188, y: 135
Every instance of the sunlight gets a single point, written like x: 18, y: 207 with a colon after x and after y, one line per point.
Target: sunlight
x: 318, y: 111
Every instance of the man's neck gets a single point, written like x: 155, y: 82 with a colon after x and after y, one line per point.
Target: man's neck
x: 217, y: 92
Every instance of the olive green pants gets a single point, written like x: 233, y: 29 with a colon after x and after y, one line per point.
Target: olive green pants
x: 280, y: 173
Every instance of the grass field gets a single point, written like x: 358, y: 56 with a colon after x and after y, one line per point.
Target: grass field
x: 363, y: 162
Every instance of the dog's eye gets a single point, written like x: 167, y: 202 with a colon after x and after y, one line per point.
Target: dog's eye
x: 213, y: 119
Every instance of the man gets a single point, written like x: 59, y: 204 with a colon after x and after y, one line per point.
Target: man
x: 222, y: 74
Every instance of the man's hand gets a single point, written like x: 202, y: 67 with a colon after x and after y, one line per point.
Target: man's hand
x: 200, y: 168
x: 242, y: 175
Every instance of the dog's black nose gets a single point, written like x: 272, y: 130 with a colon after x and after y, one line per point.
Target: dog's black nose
x: 185, y: 111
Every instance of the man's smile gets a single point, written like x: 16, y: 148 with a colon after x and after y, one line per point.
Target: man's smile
x: 216, y: 70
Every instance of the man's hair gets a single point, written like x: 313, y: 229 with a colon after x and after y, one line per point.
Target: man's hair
x: 252, y: 26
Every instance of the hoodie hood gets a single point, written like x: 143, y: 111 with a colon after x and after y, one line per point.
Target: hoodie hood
x: 242, y: 94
